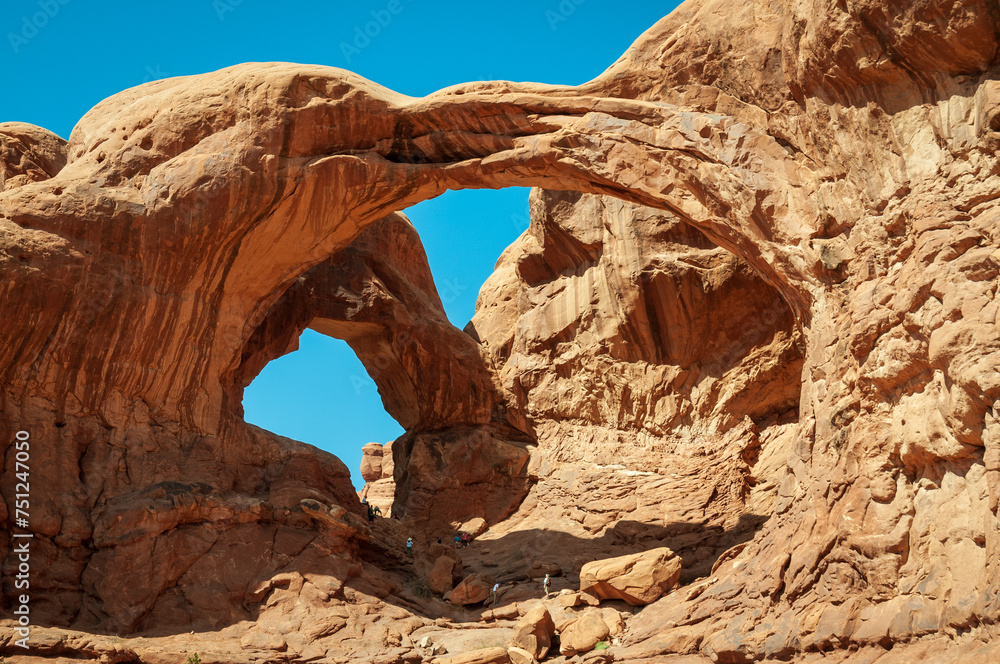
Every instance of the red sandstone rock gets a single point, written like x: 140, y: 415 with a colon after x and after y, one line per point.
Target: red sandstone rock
x: 639, y: 578
x: 825, y: 398
x: 440, y: 578
x: 583, y: 633
x: 473, y: 589
x: 371, y: 462
x: 482, y: 656
x: 534, y: 632
x: 520, y: 656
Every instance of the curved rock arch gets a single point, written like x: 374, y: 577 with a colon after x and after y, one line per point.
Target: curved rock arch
x: 858, y: 184
x: 263, y: 196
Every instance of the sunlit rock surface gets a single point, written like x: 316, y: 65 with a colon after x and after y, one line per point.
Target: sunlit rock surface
x: 810, y: 424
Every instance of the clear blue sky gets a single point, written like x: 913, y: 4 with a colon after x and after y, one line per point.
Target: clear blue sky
x: 61, y: 57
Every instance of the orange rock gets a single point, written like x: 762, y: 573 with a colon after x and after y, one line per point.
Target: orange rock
x: 534, y: 632
x: 583, y: 633
x: 754, y: 319
x: 639, y: 578
x: 440, y: 578
x: 371, y: 461
x: 520, y: 656
x: 473, y: 589
x: 481, y: 656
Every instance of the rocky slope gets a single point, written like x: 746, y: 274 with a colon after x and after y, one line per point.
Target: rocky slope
x: 809, y: 420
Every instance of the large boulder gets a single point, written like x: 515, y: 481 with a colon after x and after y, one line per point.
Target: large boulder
x: 638, y: 578
x: 583, y: 634
x: 520, y: 656
x: 473, y: 589
x: 440, y: 578
x: 371, y: 462
x: 534, y: 632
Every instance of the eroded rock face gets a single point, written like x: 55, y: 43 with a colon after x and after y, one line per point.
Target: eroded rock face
x: 844, y: 152
x: 28, y: 154
x: 617, y: 321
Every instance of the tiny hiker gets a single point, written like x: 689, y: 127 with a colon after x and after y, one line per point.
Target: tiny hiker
x: 493, y: 597
x: 546, y: 583
x: 409, y: 546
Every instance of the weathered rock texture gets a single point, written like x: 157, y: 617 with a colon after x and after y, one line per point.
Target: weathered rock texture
x: 837, y: 378
x: 622, y: 324
x: 639, y: 578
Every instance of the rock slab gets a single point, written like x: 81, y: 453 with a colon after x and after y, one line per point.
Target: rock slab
x: 639, y: 579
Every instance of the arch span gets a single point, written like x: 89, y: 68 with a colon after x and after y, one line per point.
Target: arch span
x: 266, y: 170
x: 845, y: 151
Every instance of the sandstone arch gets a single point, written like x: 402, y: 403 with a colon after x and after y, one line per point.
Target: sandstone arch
x: 302, y: 157
x: 846, y: 151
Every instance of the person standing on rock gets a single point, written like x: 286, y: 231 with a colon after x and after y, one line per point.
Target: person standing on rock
x: 465, y: 539
x: 545, y: 584
x: 409, y: 546
x: 493, y: 597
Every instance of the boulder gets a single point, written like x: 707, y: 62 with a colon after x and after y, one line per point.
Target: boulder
x: 473, y: 589
x: 534, y: 632
x: 520, y: 656
x: 568, y: 599
x: 371, y: 462
x: 440, y: 578
x: 613, y: 619
x: 583, y: 634
x: 508, y: 611
x: 638, y: 578
x: 475, y: 527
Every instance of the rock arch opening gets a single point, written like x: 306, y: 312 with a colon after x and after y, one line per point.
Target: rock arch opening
x: 612, y: 339
x: 320, y: 393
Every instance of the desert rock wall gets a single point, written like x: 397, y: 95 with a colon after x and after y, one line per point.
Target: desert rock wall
x: 843, y: 153
x: 612, y: 316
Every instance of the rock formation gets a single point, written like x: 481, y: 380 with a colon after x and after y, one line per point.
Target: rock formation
x: 639, y: 578
x: 810, y: 421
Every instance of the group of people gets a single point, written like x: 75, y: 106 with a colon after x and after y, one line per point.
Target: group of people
x: 461, y: 540
x: 372, y: 509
